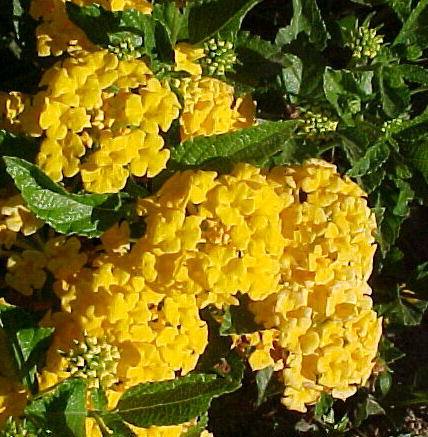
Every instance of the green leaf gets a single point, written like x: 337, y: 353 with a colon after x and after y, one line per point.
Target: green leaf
x: 394, y: 93
x: 406, y: 312
x: 238, y: 319
x: 27, y: 341
x: 114, y: 423
x: 368, y: 407
x: 373, y: 159
x: 64, y: 411
x: 252, y: 144
x: 195, y: 431
x: 82, y: 214
x: 174, y: 19
x: 263, y: 378
x: 415, y: 28
x: 401, y: 7
x: 384, y: 382
x: 346, y: 90
x: 413, y: 73
x: 306, y: 18
x: 206, y: 18
x: 323, y: 406
x: 95, y: 21
x: 179, y: 400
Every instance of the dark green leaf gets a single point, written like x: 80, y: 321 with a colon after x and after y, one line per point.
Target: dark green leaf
x: 407, y: 312
x: 238, y: 319
x: 413, y: 73
x: 368, y: 407
x: 27, y: 341
x: 415, y: 28
x: 82, y: 214
x: 263, y: 378
x: 115, y: 424
x: 94, y: 20
x: 253, y: 144
x: 64, y: 411
x: 179, y: 400
x: 306, y: 18
x: 384, y: 381
x: 394, y: 93
x: 323, y: 406
x: 195, y: 431
x: 174, y: 20
x: 20, y: 147
x: 207, y: 18
x: 346, y: 90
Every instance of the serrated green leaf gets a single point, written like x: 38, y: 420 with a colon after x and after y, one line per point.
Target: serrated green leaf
x: 389, y: 352
x: 413, y: 73
x: 179, y: 400
x: 206, y: 18
x: 372, y: 160
x: 64, y: 411
x: 27, y: 341
x: 174, y: 19
x: 415, y: 28
x: 346, y: 90
x: 306, y: 18
x: 252, y: 144
x: 82, y: 214
x: 263, y: 378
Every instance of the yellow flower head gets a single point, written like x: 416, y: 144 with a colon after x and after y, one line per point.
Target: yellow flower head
x: 104, y: 111
x: 210, y: 108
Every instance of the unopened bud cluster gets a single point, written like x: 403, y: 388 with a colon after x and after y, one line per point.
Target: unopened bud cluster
x: 365, y: 42
x: 125, y: 49
x: 95, y: 360
x: 19, y: 429
x: 219, y: 57
x: 391, y: 124
x: 317, y: 123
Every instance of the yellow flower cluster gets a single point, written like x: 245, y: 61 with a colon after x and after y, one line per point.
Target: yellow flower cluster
x: 326, y: 326
x: 210, y: 107
x: 108, y: 111
x: 56, y: 34
x: 215, y: 237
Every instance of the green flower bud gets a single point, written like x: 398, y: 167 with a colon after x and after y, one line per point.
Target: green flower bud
x: 316, y: 123
x: 93, y: 359
x: 219, y: 57
x: 365, y: 42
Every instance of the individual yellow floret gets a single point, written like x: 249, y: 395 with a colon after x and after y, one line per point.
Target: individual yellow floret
x: 210, y: 108
x: 17, y: 217
x: 186, y: 57
x: 11, y: 106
